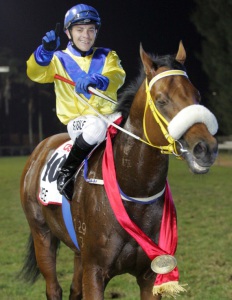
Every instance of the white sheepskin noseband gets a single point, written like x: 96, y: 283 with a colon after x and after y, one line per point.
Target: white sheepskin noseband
x: 189, y: 116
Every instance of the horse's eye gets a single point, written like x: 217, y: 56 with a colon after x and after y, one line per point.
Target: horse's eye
x: 161, y: 100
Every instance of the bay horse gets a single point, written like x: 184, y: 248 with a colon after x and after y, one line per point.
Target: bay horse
x: 106, y: 248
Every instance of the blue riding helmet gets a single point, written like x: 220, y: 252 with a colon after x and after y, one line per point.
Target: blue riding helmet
x: 81, y: 14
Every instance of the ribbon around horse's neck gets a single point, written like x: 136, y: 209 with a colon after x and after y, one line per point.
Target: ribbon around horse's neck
x: 162, y: 122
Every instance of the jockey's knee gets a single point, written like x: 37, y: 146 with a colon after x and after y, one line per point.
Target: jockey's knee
x: 94, y: 131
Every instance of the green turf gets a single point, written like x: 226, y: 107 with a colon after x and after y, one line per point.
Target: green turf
x: 203, y: 205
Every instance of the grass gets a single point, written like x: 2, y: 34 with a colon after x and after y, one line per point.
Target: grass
x: 203, y: 205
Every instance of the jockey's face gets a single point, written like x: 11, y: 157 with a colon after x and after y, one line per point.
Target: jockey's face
x: 83, y: 36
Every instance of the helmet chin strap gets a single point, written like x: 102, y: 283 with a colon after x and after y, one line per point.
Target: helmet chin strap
x: 83, y: 53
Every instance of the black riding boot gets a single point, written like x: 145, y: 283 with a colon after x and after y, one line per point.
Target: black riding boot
x: 78, y: 153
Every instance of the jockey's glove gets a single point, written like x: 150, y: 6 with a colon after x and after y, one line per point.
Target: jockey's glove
x: 95, y: 80
x: 83, y: 83
x: 51, y: 41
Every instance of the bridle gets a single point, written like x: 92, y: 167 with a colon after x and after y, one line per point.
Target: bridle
x: 162, y: 122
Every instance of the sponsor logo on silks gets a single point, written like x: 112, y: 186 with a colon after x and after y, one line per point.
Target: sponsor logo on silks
x: 78, y: 124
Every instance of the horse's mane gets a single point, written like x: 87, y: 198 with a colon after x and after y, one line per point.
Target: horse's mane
x: 126, y: 97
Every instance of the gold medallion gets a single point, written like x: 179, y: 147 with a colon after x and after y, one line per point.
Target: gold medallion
x: 163, y: 264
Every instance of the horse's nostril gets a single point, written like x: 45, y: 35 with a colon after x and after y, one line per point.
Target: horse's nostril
x: 200, y: 150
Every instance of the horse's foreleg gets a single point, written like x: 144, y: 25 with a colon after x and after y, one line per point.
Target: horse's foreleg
x: 93, y: 283
x: 146, y: 286
x: 45, y: 250
x: 76, y: 287
x: 147, y: 295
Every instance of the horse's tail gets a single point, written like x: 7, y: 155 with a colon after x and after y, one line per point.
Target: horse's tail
x: 30, y: 271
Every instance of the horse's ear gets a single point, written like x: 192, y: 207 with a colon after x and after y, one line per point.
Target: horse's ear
x: 146, y: 60
x: 181, y: 54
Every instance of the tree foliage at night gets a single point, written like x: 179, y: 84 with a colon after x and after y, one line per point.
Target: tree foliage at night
x: 213, y: 21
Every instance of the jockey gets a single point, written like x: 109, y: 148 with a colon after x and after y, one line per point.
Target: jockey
x: 86, y: 65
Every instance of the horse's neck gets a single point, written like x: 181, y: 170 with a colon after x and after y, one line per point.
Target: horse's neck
x: 141, y: 169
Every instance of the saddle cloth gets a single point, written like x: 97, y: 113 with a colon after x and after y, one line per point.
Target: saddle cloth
x: 48, y: 193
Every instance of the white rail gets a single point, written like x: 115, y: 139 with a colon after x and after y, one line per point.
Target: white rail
x: 227, y: 145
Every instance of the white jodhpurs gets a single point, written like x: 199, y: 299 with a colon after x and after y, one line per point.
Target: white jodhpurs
x: 92, y: 128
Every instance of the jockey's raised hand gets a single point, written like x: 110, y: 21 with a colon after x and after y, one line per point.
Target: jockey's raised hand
x: 51, y: 41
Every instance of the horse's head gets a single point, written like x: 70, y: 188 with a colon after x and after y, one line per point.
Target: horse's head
x: 175, y: 100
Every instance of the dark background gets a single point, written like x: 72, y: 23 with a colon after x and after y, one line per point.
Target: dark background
x: 158, y: 24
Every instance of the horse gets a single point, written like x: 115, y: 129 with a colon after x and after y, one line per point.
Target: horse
x: 162, y: 115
